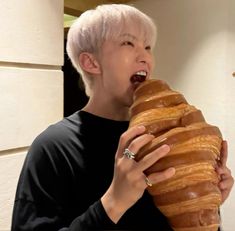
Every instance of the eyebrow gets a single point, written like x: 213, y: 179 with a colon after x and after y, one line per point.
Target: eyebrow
x: 128, y: 36
x: 133, y: 38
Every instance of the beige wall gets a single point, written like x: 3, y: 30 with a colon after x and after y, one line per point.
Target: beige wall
x: 31, y: 84
x: 195, y: 53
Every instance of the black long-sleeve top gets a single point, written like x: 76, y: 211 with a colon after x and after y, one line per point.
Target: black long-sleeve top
x: 68, y: 168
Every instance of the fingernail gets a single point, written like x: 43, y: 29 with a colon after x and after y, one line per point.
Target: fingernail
x: 172, y: 170
x: 165, y: 147
x: 221, y: 186
x: 151, y: 136
x: 141, y: 127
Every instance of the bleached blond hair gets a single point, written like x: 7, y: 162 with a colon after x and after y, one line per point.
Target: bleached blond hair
x: 105, y: 22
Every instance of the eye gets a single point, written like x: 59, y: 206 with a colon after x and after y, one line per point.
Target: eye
x: 148, y: 48
x: 127, y: 43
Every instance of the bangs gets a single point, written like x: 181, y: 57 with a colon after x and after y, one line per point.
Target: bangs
x: 117, y: 23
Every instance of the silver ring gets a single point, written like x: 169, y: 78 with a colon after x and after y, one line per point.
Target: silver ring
x: 129, y: 154
x: 147, y: 181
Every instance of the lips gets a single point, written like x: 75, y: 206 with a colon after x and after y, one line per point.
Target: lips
x: 138, y: 77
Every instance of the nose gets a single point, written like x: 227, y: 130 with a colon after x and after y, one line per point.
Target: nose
x: 144, y: 56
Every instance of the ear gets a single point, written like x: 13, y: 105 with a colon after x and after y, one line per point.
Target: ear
x: 89, y: 63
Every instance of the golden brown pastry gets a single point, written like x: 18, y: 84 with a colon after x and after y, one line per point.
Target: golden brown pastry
x: 191, y: 198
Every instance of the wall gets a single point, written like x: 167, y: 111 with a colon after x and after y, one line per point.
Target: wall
x: 195, y: 53
x: 31, y: 84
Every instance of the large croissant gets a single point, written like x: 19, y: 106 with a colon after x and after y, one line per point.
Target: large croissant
x: 191, y: 198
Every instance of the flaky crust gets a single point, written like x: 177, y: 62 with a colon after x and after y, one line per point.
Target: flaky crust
x: 191, y: 198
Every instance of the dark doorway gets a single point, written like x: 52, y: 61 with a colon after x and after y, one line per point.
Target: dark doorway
x: 74, y: 94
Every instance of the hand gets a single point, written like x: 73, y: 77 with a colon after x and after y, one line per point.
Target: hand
x: 226, y: 180
x: 129, y: 181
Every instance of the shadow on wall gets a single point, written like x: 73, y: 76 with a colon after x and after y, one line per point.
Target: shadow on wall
x: 74, y: 94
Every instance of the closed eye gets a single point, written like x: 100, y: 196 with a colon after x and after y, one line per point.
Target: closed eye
x: 127, y: 43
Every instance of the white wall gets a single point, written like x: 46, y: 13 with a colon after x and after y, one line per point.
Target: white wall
x: 31, y: 84
x: 195, y: 54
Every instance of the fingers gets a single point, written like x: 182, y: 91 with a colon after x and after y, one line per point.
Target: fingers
x: 225, y: 176
x: 224, y: 153
x: 139, y: 142
x: 226, y: 184
x: 153, y: 157
x: 223, y: 171
x: 225, y: 187
x: 127, y: 137
x: 158, y: 177
x: 130, y: 143
x: 226, y: 181
x: 133, y: 139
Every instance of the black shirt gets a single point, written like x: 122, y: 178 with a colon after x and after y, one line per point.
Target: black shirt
x: 68, y: 168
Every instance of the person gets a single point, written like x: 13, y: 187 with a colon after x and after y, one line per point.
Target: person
x: 80, y: 173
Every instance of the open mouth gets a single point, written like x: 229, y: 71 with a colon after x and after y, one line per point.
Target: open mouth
x: 138, y: 78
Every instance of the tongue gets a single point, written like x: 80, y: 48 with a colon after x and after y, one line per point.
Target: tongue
x: 137, y: 78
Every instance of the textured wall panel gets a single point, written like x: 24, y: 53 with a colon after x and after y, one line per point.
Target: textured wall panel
x: 31, y: 31
x: 10, y: 166
x: 31, y: 99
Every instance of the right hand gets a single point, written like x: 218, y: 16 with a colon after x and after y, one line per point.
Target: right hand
x: 128, y: 184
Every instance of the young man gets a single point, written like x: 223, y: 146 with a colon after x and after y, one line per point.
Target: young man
x: 80, y: 174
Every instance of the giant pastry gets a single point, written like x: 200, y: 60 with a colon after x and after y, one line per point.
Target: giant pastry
x: 191, y: 198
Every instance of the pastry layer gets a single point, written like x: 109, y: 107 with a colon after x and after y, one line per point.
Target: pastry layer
x: 188, y: 193
x: 213, y: 227
x: 179, y: 137
x: 186, y: 175
x: 200, y: 218
x: 164, y: 99
x: 188, y: 157
x: 150, y: 87
x: 210, y: 201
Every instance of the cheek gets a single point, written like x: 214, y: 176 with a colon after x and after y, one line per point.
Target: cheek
x: 124, y: 65
x: 119, y: 63
x: 127, y: 60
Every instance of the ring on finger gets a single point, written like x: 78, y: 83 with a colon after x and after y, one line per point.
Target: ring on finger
x: 129, y: 154
x: 148, y: 182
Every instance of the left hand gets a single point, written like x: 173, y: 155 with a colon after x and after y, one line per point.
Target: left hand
x: 226, y: 180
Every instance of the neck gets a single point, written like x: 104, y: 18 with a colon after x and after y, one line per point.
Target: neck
x: 107, y: 111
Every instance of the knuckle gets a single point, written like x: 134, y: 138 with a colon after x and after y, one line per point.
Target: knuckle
x: 165, y: 175
x: 146, y: 159
x: 122, y: 165
x: 123, y: 137
x: 133, y: 146
x: 119, y: 166
x: 158, y: 177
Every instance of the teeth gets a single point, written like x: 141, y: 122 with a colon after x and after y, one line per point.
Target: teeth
x: 139, y: 77
x: 142, y: 73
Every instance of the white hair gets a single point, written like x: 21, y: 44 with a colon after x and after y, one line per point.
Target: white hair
x: 107, y: 21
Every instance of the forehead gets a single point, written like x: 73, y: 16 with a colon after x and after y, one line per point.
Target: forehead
x: 128, y: 36
x: 132, y: 36
x: 133, y: 31
x: 130, y: 28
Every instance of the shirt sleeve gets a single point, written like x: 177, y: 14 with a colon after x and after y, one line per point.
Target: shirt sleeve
x: 95, y: 218
x: 25, y: 218
x: 41, y: 201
